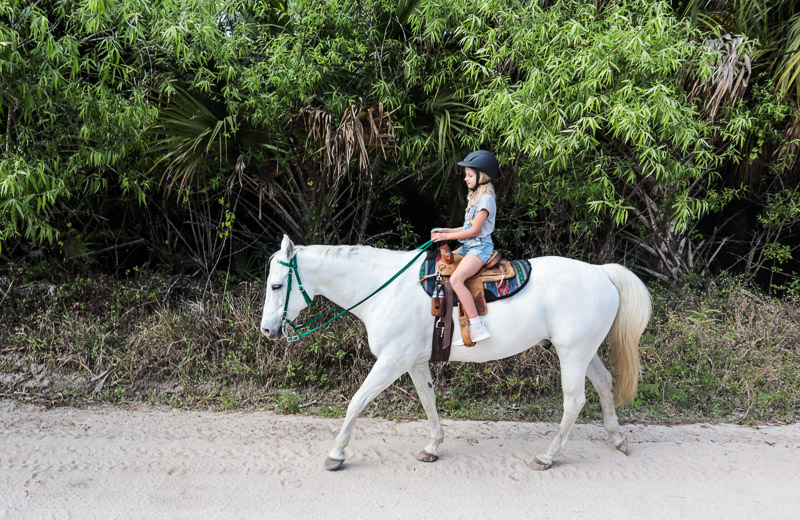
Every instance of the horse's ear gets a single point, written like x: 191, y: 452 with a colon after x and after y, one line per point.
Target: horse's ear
x: 287, y: 247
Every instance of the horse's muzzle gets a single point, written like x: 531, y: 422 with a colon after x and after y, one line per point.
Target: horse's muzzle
x: 273, y: 332
x: 270, y: 333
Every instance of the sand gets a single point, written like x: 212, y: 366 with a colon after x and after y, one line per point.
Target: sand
x: 144, y: 462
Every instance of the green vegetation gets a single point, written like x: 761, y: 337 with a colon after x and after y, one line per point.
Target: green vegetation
x: 184, y: 138
x: 194, y: 134
x: 721, y: 352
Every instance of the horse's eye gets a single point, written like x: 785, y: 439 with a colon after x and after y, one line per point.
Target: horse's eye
x: 276, y: 286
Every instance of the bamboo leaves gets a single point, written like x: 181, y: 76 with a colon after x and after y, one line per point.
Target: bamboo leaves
x: 68, y: 107
x: 306, y: 116
x: 602, y: 101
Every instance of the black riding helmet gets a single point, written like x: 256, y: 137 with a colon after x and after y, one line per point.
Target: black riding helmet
x: 483, y: 161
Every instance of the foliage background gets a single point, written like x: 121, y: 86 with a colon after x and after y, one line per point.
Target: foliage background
x: 194, y: 135
x: 185, y: 137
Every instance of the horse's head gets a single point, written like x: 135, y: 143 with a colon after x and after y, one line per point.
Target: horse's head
x: 284, y: 299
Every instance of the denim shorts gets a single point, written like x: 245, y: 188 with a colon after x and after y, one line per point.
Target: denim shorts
x: 480, y: 247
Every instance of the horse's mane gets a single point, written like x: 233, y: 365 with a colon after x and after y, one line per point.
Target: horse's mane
x: 341, y: 253
x: 347, y: 253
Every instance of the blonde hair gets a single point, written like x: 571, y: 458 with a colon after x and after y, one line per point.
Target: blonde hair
x: 475, y: 195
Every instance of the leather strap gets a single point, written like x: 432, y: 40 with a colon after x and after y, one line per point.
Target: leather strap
x: 443, y: 328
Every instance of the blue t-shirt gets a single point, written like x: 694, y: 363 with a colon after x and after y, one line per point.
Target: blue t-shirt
x: 488, y: 203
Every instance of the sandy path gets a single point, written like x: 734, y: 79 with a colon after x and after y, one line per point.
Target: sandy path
x: 106, y: 462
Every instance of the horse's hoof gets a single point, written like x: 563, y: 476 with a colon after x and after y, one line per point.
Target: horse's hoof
x: 538, y: 465
x: 623, y: 446
x: 333, y: 464
x: 424, y: 456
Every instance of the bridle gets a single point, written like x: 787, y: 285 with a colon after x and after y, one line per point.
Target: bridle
x: 292, y: 265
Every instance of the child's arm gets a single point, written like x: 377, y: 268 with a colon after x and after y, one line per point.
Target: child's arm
x: 440, y: 235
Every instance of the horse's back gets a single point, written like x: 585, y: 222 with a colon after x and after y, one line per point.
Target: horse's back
x: 557, y: 273
x: 576, y: 297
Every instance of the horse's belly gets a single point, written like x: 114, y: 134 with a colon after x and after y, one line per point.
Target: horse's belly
x: 511, y: 334
x: 486, y: 350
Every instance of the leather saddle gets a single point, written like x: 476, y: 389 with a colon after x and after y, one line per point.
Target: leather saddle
x: 499, y: 278
x: 495, y: 270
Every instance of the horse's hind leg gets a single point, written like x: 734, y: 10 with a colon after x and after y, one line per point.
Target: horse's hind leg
x: 421, y: 375
x: 383, y: 374
x: 573, y: 384
x: 601, y: 380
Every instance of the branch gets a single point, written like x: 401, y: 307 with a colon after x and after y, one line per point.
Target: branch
x: 113, y: 248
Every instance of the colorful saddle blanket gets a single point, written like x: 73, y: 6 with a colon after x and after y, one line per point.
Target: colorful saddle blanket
x: 493, y: 290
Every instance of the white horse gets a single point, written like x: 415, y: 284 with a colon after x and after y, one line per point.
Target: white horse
x: 571, y: 304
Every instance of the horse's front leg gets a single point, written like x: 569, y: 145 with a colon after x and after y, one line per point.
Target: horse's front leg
x: 421, y: 375
x: 383, y: 373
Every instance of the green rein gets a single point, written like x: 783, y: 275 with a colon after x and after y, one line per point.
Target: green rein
x: 292, y: 265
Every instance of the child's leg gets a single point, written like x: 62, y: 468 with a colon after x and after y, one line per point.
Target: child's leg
x: 469, y: 265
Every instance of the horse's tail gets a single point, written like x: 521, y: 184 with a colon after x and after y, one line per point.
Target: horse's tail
x: 632, y: 317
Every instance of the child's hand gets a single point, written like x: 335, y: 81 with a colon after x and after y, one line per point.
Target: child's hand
x: 438, y: 235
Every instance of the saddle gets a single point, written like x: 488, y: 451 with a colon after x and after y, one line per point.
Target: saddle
x: 495, y: 270
x: 494, y: 273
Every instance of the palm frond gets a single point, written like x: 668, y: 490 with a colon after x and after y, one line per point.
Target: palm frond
x: 361, y: 136
x: 450, y: 123
x: 788, y: 74
x: 775, y: 24
x: 729, y: 82
x: 192, y: 134
x: 189, y: 133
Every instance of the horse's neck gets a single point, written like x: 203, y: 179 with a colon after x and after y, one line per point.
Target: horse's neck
x: 347, y: 274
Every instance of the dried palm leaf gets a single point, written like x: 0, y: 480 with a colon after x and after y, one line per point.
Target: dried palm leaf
x: 360, y: 135
x: 728, y: 84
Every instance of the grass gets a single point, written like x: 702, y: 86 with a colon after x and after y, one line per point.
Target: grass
x: 717, y: 351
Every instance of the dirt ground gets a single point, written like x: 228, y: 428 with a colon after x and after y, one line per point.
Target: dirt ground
x: 144, y: 462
